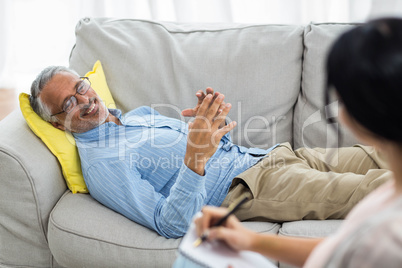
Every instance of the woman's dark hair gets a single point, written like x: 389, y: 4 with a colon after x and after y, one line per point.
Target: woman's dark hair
x: 364, y: 66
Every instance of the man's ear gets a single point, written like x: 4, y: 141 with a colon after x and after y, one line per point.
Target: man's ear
x: 58, y: 125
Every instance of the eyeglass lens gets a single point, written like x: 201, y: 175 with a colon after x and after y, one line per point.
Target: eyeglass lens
x: 82, y: 88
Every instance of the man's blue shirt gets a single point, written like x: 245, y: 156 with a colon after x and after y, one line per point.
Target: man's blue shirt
x: 137, y: 169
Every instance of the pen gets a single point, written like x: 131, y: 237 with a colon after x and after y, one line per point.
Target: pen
x: 231, y: 209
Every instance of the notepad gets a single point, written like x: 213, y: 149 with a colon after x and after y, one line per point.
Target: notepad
x: 218, y: 254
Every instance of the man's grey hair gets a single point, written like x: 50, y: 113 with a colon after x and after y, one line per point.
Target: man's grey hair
x: 37, y: 86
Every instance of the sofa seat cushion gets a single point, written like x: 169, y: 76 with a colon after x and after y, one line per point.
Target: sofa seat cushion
x: 310, y: 228
x: 84, y: 233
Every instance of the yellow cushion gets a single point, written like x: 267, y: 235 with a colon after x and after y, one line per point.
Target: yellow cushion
x: 61, y: 143
x: 98, y: 83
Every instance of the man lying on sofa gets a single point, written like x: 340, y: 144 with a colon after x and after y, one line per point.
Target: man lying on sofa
x: 159, y: 171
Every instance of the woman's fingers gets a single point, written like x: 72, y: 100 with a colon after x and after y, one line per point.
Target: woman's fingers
x: 210, y: 215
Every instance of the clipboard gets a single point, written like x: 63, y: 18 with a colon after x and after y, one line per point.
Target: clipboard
x: 217, y: 254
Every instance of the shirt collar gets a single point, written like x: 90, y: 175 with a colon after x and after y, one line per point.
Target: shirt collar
x: 94, y: 133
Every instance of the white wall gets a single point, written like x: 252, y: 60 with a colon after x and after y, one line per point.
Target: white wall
x: 38, y: 33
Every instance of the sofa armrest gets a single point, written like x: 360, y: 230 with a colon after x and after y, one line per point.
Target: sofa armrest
x: 31, y: 184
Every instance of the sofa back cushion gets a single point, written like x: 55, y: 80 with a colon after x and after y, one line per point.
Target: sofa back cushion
x: 310, y: 118
x: 162, y: 65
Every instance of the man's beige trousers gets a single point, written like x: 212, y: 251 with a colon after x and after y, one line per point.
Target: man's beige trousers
x: 308, y: 183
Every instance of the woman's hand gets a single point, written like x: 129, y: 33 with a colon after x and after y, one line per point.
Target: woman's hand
x: 232, y: 231
x: 292, y: 250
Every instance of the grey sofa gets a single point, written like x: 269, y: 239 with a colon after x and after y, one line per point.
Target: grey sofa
x: 272, y: 74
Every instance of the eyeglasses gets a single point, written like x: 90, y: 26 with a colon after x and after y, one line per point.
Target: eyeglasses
x: 82, y: 89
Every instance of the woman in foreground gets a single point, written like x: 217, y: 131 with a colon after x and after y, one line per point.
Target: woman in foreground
x: 364, y: 69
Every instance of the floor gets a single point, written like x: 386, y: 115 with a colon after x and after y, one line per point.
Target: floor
x: 8, y: 101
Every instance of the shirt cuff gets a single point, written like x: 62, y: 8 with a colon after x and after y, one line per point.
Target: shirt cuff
x: 190, y: 181
x: 227, y: 137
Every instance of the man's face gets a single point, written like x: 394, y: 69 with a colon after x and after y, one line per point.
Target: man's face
x: 89, y: 112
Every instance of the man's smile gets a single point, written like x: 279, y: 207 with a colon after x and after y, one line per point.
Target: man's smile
x: 91, y: 110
